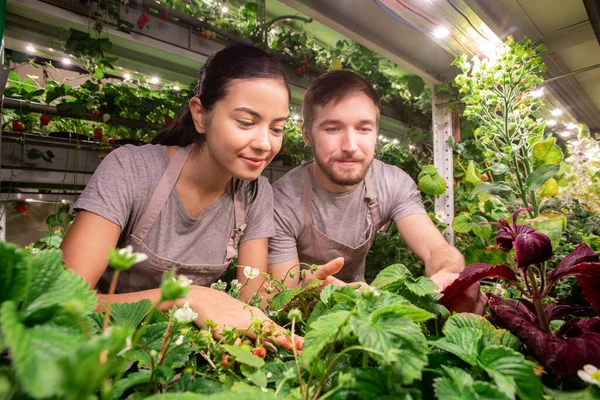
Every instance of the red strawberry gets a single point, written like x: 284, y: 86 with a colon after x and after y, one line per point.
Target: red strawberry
x: 164, y: 16
x: 45, y: 120
x: 111, y: 141
x: 17, y: 126
x: 109, y: 149
x: 20, y: 207
x: 301, y: 70
x: 225, y: 361
x: 26, y: 212
x: 141, y: 23
x: 205, y: 34
x: 95, y: 115
x: 98, y: 134
x: 168, y: 120
x: 145, y: 17
x: 260, y: 352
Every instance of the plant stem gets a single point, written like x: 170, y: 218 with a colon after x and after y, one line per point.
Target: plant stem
x: 162, y: 346
x: 296, y: 360
x: 111, y: 290
x: 537, y: 301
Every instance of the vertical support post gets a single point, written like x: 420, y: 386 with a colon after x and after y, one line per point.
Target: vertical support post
x: 442, y: 159
x: 3, y: 78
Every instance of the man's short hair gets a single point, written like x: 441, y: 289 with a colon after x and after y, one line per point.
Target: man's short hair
x: 334, y: 86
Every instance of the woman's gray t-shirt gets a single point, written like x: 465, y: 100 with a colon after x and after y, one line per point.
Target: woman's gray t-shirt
x: 123, y: 184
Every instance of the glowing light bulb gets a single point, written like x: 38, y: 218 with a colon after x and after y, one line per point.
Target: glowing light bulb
x: 441, y: 32
x: 66, y: 61
x: 30, y: 48
x: 551, y: 122
x: 556, y: 112
x: 537, y: 93
x: 154, y: 80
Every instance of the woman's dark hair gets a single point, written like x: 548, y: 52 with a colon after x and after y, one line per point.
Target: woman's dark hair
x: 226, y: 65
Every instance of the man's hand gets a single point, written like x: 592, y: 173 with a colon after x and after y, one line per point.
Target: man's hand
x: 472, y: 300
x: 325, y: 273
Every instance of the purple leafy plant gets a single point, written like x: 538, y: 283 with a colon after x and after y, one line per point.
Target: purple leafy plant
x: 577, y: 342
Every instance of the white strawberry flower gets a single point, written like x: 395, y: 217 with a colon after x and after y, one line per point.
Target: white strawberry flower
x: 125, y: 258
x: 185, y: 314
x: 590, y: 374
x: 440, y: 216
x: 251, y: 273
x: 183, y: 281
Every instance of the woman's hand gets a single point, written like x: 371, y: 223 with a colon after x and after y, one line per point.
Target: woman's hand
x: 224, y: 310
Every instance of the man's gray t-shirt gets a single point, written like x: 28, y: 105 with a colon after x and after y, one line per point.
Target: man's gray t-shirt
x: 123, y: 184
x: 342, y: 217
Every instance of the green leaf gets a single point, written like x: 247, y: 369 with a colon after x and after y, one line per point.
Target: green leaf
x: 472, y: 176
x: 13, y: 78
x: 548, y: 189
x: 321, y: 332
x: 243, y: 354
x: 538, y: 177
x: 480, y: 227
x: 552, y: 224
x: 409, y: 311
x: 361, y: 383
x: 36, y: 352
x: 465, y: 343
x: 68, y: 287
x: 431, y: 182
x: 52, y: 240
x: 546, y: 153
x: 498, y: 169
x: 400, y: 339
x: 498, y: 188
x: 47, y: 266
x: 254, y: 375
x: 152, y: 339
x: 491, y: 335
x: 422, y: 286
x: 500, y: 360
x: 389, y: 275
x: 462, y: 223
x: 14, y: 272
x: 135, y: 378
x: 281, y: 299
x: 415, y: 85
x: 447, y: 389
x: 130, y: 314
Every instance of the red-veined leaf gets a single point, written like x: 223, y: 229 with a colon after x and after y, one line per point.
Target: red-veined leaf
x: 471, y: 275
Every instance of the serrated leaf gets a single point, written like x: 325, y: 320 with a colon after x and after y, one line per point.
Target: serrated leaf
x: 243, y: 354
x: 47, y: 266
x: 422, y: 286
x: 462, y: 223
x: 361, y: 383
x: 546, y: 153
x: 409, y: 311
x: 283, y: 298
x: 14, y: 273
x: 68, y: 286
x: 465, y: 343
x: 130, y: 314
x: 539, y: 176
x: 507, y: 362
x: 36, y: 352
x: 491, y: 335
x: 131, y: 380
x: 321, y: 332
x: 389, y: 275
x: 400, y: 339
x: 447, y: 389
x: 152, y: 339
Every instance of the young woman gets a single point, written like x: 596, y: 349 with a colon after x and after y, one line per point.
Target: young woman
x: 192, y: 196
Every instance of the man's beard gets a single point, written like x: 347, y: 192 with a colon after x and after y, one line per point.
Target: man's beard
x: 349, y: 177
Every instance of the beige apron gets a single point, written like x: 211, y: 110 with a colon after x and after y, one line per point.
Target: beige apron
x: 314, y: 247
x: 148, y: 274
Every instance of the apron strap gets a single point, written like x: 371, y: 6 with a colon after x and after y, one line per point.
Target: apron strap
x: 162, y: 192
x: 239, y: 209
x: 307, y: 194
x: 374, y: 204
